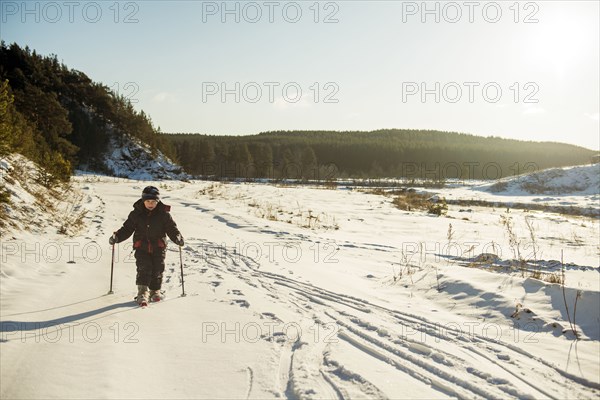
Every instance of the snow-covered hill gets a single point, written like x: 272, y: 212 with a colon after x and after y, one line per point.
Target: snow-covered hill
x: 572, y: 190
x: 128, y: 157
x: 34, y: 207
x: 300, y: 292
x: 579, y: 180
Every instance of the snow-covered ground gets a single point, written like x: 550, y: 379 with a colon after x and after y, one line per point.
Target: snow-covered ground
x: 303, y: 292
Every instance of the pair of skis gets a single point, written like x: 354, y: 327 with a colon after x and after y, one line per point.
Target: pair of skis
x: 145, y: 303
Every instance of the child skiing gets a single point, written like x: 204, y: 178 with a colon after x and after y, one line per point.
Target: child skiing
x: 149, y: 222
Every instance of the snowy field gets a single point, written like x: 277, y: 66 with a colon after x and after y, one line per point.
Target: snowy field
x: 303, y: 292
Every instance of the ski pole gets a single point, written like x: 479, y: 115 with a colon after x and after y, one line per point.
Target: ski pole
x: 112, y: 267
x: 181, y: 264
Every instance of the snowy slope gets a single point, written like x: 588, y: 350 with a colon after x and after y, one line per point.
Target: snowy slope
x: 579, y: 180
x: 574, y: 190
x: 300, y: 292
x: 34, y: 206
x: 130, y: 158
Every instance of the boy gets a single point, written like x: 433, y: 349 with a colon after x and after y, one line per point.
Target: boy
x: 149, y: 222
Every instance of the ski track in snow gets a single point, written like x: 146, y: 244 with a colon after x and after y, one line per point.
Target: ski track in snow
x: 450, y: 372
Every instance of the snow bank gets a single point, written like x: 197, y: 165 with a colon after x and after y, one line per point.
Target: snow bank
x: 34, y: 207
x: 579, y: 180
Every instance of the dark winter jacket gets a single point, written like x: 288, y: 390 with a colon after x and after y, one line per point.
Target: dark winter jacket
x: 149, y: 228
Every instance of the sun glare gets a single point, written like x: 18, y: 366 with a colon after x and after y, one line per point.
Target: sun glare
x: 562, y: 39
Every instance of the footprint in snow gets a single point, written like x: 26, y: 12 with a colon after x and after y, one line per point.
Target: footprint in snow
x: 270, y: 315
x: 241, y: 303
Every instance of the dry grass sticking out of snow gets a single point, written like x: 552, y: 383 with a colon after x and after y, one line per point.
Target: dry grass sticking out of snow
x: 32, y: 206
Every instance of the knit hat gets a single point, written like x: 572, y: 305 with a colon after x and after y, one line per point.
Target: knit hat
x: 150, y: 193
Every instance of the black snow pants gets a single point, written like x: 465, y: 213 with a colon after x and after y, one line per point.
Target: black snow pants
x: 150, y: 268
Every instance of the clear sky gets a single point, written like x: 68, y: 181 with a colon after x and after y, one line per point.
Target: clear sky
x: 526, y: 70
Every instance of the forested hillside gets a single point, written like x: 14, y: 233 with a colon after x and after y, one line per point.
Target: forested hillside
x: 415, y: 154
x: 61, y: 119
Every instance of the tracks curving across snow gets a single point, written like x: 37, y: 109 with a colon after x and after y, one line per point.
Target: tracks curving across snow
x: 440, y: 358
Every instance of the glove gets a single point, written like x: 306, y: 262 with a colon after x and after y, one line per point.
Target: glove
x: 113, y: 239
x: 179, y: 240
